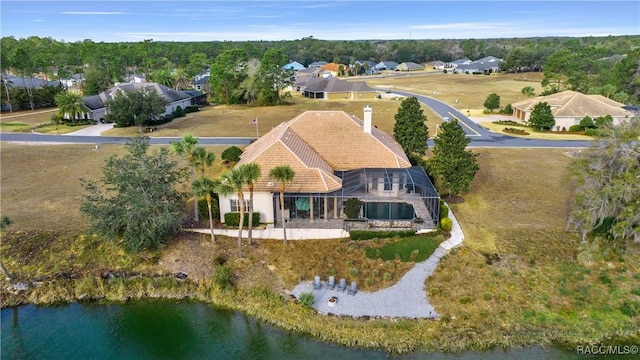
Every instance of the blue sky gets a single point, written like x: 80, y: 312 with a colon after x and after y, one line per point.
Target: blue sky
x: 116, y: 21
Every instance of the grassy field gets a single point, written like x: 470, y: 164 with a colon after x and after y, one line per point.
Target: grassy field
x: 470, y: 91
x: 230, y: 120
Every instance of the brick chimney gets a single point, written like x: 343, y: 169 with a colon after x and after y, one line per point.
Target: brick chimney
x: 367, y: 119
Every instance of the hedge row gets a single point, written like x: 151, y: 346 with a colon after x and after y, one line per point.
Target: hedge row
x: 233, y: 219
x: 382, y: 234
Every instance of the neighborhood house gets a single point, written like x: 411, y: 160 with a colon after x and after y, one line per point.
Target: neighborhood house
x: 337, y: 157
x: 175, y: 98
x: 569, y: 107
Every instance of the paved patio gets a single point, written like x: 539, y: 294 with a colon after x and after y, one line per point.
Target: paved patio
x: 405, y: 299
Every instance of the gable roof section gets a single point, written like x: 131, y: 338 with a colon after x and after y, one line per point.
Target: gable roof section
x: 317, y: 143
x: 573, y: 104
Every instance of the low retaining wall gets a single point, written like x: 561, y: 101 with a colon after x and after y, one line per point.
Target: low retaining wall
x: 276, y: 233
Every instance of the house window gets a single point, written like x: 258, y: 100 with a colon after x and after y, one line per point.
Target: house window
x: 235, y: 205
x: 388, y: 183
x: 374, y: 183
x: 400, y: 181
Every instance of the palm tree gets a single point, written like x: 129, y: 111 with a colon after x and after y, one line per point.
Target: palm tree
x: 162, y: 77
x: 251, y: 172
x: 71, y: 103
x: 232, y: 182
x: 283, y: 174
x: 180, y: 79
x: 187, y: 146
x: 202, y: 158
x: 205, y: 187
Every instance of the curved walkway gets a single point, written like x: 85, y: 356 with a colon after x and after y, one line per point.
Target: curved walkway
x: 405, y: 299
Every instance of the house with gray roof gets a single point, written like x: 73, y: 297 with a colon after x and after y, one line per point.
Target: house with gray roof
x: 486, y: 65
x: 386, y: 65
x: 332, y: 88
x: 175, y: 98
x: 317, y: 64
x: 409, y: 66
x: 28, y: 82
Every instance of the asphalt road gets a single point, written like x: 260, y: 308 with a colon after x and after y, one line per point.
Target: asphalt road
x: 75, y: 139
x: 480, y: 137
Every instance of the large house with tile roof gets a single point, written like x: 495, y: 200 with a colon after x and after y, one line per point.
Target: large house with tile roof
x: 175, y: 98
x: 337, y: 156
x: 569, y: 107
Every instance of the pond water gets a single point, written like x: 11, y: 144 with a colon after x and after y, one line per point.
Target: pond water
x: 388, y: 210
x: 162, y: 329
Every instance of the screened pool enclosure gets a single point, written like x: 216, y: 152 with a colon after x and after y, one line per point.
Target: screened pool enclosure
x: 388, y: 199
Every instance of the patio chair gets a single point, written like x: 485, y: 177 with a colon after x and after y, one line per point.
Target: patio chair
x: 316, y: 283
x: 352, y: 290
x: 331, y: 283
x: 342, y: 285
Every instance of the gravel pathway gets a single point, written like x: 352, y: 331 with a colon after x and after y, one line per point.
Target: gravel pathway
x: 405, y: 299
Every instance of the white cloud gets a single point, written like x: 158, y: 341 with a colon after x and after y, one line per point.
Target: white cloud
x: 93, y: 13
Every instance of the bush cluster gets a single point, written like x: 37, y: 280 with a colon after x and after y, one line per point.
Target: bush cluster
x: 233, y: 219
x: 191, y: 108
x: 382, y: 234
x: 508, y: 122
x: 515, y: 131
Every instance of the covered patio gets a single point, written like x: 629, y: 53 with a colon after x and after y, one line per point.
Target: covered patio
x: 397, y: 198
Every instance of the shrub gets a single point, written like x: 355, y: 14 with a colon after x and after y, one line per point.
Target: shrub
x: 204, y: 209
x: 487, y: 295
x: 508, y: 122
x: 387, y: 276
x: 444, y: 210
x: 446, y: 224
x: 369, y: 282
x: 179, y: 111
x: 382, y: 234
x: 515, y: 131
x: 352, y: 208
x: 353, y: 272
x: 376, y: 273
x: 231, y: 154
x: 592, y: 132
x: 233, y: 219
x: 191, y: 108
x: 307, y: 299
x: 4, y: 222
x: 220, y: 259
x: 465, y: 299
x: 223, y: 277
x: 587, y: 122
x: 508, y: 109
x: 576, y: 128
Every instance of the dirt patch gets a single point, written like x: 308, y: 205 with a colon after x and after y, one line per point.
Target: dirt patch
x: 456, y: 199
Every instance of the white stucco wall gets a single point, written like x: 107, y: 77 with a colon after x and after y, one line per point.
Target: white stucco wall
x: 262, y: 203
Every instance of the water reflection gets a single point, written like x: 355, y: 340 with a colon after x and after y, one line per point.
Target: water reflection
x: 169, y: 330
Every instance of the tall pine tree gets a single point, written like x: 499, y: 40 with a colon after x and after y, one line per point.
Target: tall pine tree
x: 451, y: 163
x: 410, y: 129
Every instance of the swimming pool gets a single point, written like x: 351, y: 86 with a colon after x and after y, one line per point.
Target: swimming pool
x: 388, y: 211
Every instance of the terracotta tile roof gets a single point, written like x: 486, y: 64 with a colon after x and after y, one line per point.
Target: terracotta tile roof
x: 317, y: 143
x: 571, y: 103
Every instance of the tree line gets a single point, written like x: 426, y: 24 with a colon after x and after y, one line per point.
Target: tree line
x: 109, y: 62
